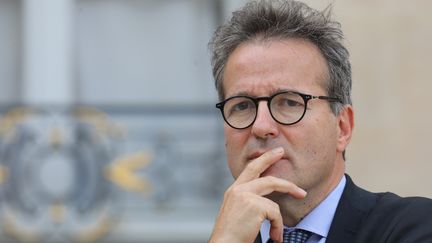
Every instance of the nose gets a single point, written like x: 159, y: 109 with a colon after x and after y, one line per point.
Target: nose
x: 264, y: 126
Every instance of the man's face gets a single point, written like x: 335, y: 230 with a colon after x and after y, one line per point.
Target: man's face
x: 312, y: 151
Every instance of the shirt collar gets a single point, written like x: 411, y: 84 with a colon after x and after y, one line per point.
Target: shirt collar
x: 319, y: 219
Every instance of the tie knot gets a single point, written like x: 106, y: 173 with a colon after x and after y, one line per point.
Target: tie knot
x: 296, y: 236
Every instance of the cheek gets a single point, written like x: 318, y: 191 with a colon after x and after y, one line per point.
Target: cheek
x: 322, y: 144
x: 235, y: 141
x: 312, y: 141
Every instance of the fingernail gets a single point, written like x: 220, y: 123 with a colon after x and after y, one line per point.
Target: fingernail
x: 278, y: 150
x: 303, y: 192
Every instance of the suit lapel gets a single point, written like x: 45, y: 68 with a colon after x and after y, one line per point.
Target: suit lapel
x: 353, y: 208
x: 354, y: 205
x: 258, y: 239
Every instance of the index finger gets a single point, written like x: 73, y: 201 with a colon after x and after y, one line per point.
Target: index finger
x: 254, y: 169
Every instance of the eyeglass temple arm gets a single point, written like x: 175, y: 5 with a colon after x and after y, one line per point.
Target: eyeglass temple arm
x: 322, y: 97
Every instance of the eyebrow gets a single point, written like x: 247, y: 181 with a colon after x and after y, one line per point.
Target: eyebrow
x: 279, y: 90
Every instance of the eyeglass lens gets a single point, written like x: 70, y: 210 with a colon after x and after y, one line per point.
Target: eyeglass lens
x: 286, y: 108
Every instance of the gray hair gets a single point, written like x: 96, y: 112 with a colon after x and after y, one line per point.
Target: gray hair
x: 283, y: 19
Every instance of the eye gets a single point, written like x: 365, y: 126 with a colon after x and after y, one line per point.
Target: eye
x: 241, y: 106
x: 291, y: 103
x: 288, y: 102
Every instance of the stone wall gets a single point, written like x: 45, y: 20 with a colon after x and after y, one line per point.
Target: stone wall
x: 390, y: 46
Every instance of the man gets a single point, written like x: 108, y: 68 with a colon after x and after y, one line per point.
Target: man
x: 284, y: 81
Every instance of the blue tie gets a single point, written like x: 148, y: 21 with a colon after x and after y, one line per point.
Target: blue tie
x: 296, y: 236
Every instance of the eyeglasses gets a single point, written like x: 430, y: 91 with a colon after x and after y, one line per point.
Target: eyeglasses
x: 287, y: 108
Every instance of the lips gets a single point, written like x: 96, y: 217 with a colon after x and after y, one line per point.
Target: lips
x: 257, y: 154
x: 254, y: 155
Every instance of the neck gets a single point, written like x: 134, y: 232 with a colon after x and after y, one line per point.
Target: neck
x: 294, y: 210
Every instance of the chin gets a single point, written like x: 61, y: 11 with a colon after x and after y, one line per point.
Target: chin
x: 279, y: 197
x: 279, y: 169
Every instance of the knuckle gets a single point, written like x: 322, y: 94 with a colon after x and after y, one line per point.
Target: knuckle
x: 234, y: 191
x: 229, y: 191
x: 276, y: 207
x: 252, y: 204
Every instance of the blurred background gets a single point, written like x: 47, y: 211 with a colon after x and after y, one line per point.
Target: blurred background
x: 108, y: 131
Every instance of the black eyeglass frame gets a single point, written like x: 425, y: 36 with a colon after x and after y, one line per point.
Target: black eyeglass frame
x: 256, y: 100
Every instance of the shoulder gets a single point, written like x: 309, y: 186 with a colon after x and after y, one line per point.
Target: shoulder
x: 387, y: 217
x: 402, y: 206
x: 401, y: 219
x: 363, y: 216
x: 384, y: 203
x: 409, y: 209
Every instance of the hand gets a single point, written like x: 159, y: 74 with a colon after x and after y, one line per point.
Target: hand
x: 244, y: 208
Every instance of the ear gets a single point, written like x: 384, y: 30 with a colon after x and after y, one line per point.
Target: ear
x: 345, y: 127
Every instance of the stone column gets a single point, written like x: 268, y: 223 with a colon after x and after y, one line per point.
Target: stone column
x: 47, y: 52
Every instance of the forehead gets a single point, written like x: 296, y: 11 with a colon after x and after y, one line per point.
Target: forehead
x: 263, y: 67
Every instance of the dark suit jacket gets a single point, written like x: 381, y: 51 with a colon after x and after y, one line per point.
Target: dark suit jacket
x: 363, y: 216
